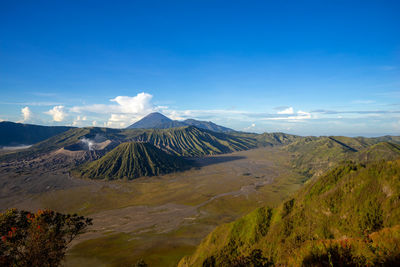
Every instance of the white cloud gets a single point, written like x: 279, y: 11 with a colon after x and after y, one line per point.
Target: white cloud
x: 288, y: 110
x: 300, y: 115
x: 173, y: 114
x: 118, y: 121
x: 79, y: 121
x: 26, y: 113
x: 139, y: 104
x: 57, y: 113
x: 127, y: 109
x: 96, y: 108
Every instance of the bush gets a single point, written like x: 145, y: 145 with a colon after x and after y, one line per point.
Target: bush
x: 37, y: 239
x: 255, y: 259
x: 377, y: 249
x: 371, y: 217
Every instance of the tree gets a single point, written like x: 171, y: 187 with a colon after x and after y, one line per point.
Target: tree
x: 37, y: 239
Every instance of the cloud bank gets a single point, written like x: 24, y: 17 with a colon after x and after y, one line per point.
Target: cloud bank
x: 127, y: 109
x: 58, y: 113
x: 122, y: 111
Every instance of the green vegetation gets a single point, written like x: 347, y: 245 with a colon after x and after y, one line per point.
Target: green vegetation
x: 193, y: 188
x: 315, y: 155
x: 132, y: 160
x: 191, y: 141
x: 39, y: 239
x: 377, y: 249
x: 349, y: 216
x: 355, y: 201
x: 380, y: 151
x: 208, y: 125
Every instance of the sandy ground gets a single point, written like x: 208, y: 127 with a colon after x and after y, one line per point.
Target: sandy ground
x: 220, y: 189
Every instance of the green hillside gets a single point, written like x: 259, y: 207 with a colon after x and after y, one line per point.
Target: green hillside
x: 132, y: 160
x: 348, y: 217
x: 208, y: 125
x: 315, y: 155
x: 276, y: 139
x: 380, y: 151
x: 192, y: 141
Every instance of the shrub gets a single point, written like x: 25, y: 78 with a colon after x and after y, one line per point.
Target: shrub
x: 37, y: 239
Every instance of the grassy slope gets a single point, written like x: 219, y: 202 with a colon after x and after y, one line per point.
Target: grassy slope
x: 350, y: 201
x: 313, y: 156
x: 380, y: 151
x: 131, y: 160
x: 192, y: 141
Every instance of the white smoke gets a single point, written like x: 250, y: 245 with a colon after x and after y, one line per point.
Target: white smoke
x: 90, y: 144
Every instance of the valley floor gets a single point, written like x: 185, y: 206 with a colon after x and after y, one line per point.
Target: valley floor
x: 159, y: 219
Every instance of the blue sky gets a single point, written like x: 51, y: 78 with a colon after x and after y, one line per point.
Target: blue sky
x: 302, y: 67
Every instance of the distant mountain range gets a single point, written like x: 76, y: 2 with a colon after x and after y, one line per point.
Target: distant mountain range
x: 310, y: 155
x: 17, y: 134
x: 14, y: 134
x: 159, y: 121
x: 187, y: 141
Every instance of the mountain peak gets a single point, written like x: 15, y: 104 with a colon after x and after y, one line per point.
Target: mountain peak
x: 157, y: 115
x: 156, y: 120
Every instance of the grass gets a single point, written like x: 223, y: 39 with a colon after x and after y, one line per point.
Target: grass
x: 132, y: 160
x: 122, y: 249
x: 352, y: 201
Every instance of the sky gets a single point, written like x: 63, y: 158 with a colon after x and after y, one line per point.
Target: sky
x: 301, y: 67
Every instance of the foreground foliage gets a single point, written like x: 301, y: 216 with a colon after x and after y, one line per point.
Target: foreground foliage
x: 381, y: 248
x: 37, y: 239
x: 348, y: 217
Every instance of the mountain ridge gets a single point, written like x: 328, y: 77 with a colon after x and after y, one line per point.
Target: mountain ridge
x: 14, y: 134
x: 131, y: 160
x: 157, y: 120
